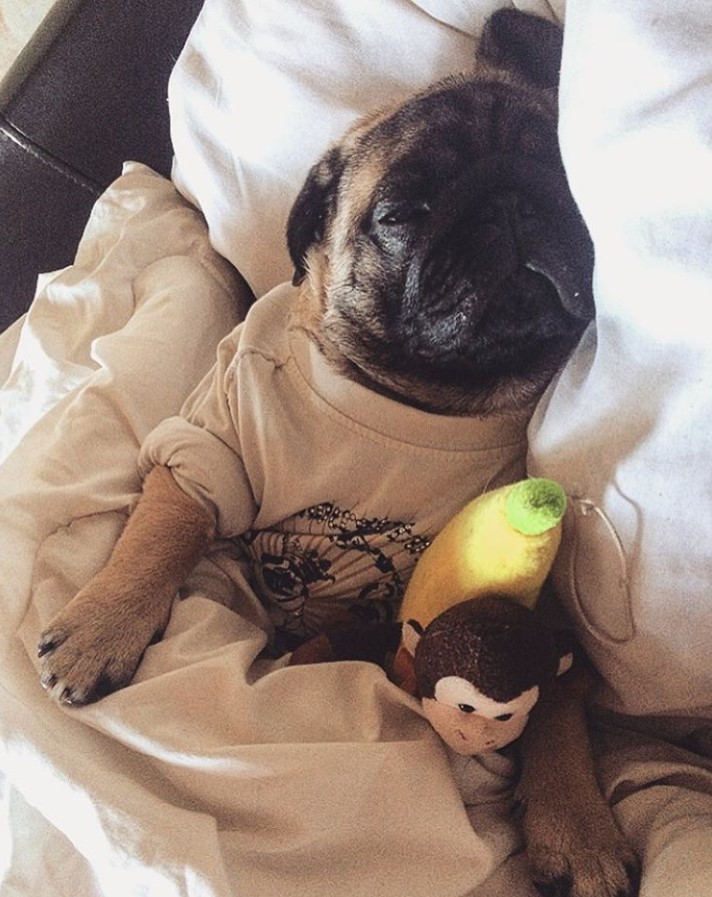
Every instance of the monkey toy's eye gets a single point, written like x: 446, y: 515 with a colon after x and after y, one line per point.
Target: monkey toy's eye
x: 466, y: 708
x: 504, y: 717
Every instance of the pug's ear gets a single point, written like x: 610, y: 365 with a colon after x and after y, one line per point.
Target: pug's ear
x: 524, y: 44
x: 311, y: 210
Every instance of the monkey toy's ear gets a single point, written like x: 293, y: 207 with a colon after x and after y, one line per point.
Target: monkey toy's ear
x: 410, y: 636
x: 312, y: 208
x: 566, y: 661
x: 403, y: 668
x: 566, y: 648
x: 525, y: 44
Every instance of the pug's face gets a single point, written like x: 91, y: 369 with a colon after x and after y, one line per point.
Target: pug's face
x: 443, y: 258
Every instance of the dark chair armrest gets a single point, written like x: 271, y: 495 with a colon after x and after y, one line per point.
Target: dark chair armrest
x: 87, y: 93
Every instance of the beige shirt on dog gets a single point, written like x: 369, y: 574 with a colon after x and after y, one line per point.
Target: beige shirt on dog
x: 333, y: 490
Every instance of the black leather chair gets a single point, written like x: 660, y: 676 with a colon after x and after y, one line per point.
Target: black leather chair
x: 87, y: 93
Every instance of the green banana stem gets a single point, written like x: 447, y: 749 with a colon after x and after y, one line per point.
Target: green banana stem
x: 535, y: 506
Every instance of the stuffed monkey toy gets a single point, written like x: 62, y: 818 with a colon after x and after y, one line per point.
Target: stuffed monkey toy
x: 470, y: 645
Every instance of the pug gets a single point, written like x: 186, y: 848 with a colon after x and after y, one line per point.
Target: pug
x: 443, y: 268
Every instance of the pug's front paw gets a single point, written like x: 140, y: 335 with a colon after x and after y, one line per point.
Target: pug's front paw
x: 94, y: 646
x: 579, y: 853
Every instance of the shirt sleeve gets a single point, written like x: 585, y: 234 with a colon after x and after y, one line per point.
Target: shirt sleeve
x: 201, y: 447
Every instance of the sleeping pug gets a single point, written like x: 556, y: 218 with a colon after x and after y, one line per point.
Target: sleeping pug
x: 444, y: 277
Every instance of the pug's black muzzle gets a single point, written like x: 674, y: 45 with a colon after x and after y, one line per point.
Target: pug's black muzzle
x: 505, y: 263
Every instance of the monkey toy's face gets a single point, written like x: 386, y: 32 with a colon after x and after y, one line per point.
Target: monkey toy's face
x: 471, y: 723
x: 479, y: 669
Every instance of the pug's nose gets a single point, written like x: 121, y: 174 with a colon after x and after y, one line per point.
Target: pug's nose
x: 505, y: 209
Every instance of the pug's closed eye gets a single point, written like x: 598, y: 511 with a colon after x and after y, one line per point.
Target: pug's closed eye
x: 392, y: 214
x: 394, y: 225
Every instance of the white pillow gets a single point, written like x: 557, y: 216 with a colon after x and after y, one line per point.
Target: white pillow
x: 263, y: 86
x: 628, y: 426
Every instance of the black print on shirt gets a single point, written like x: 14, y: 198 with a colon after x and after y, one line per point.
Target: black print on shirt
x: 327, y: 564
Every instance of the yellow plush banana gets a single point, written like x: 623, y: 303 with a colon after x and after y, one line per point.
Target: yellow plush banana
x: 503, y: 541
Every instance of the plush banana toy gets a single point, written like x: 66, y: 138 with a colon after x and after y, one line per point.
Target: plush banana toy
x: 472, y: 648
x: 502, y: 541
